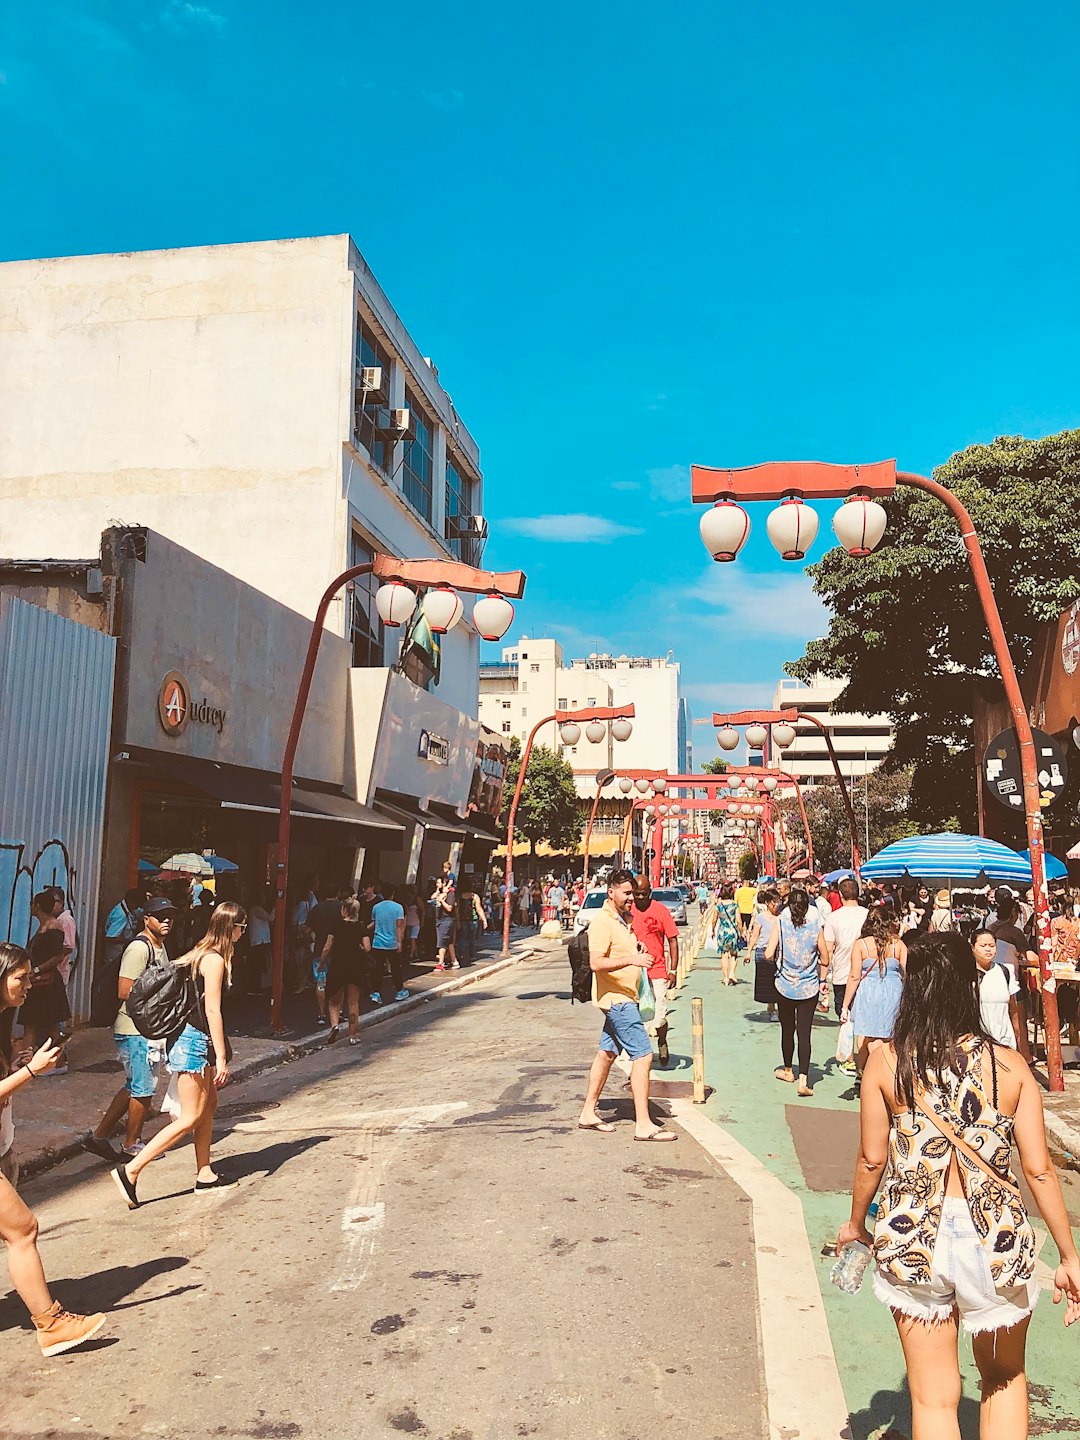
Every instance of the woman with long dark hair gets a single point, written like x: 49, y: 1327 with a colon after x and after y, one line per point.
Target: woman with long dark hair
x: 45, y: 1009
x: 940, y: 1108
x: 725, y: 935
x: 198, y: 1079
x: 759, y: 932
x: 802, y: 962
x: 872, y: 997
x: 57, y: 1329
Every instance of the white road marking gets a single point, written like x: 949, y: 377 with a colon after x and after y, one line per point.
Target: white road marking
x: 364, y: 1216
x: 806, y: 1397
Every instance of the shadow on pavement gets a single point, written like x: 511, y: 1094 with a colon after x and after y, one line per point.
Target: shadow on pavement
x: 105, y: 1290
x: 888, y: 1416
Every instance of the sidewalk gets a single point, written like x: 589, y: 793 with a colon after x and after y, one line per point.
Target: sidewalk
x: 53, y: 1114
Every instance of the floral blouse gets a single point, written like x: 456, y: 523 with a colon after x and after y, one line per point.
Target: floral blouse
x: 914, y: 1188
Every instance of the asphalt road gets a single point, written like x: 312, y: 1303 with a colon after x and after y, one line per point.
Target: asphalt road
x: 422, y: 1244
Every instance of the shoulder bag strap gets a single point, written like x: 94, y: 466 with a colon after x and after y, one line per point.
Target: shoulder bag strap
x: 957, y: 1141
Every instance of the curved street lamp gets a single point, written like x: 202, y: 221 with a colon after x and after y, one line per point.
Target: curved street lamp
x: 860, y: 525
x: 395, y: 599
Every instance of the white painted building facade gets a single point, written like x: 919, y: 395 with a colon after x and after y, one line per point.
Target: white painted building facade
x: 532, y: 681
x: 861, y: 742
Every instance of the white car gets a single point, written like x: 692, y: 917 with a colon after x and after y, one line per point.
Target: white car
x: 589, y: 906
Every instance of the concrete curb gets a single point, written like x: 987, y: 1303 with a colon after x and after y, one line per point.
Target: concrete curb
x: 1063, y: 1137
x: 294, y: 1049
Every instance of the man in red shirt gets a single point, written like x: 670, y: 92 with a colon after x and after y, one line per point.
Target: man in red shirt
x: 654, y: 925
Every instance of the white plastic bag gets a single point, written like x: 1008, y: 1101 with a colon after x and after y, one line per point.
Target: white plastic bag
x: 170, y: 1101
x: 646, y: 1000
x: 845, y: 1043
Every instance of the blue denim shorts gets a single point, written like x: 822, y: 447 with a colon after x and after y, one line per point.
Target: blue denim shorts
x: 189, y: 1054
x: 624, y: 1029
x: 319, y: 967
x: 134, y: 1052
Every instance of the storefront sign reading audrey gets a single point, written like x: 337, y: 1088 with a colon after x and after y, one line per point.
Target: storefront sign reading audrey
x: 176, y: 707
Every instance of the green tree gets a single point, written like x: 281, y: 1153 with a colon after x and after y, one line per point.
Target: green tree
x: 748, y: 866
x: 907, y: 628
x: 884, y: 793
x: 716, y: 766
x: 549, y: 809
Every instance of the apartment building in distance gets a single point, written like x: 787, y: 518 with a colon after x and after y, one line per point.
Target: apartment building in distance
x: 861, y: 742
x: 532, y: 680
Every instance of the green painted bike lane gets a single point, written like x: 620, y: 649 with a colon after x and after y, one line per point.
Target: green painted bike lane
x: 742, y: 1049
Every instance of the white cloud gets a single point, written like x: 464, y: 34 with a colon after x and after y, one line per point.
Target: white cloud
x: 729, y: 696
x: 179, y: 13
x: 749, y: 605
x: 626, y: 485
x: 670, y: 482
x: 569, y: 529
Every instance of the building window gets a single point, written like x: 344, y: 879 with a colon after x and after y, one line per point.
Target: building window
x: 416, y: 467
x: 465, y: 531
x: 506, y: 704
x: 506, y: 727
x: 370, y: 351
x: 561, y: 703
x: 591, y: 700
x: 535, y: 669
x: 366, y: 629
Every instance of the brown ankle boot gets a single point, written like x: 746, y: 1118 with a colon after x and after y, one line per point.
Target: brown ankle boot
x: 58, y: 1331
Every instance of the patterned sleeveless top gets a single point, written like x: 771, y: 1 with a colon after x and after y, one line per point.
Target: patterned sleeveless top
x: 915, y: 1178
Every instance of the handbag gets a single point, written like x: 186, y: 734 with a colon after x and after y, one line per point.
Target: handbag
x: 646, y: 1001
x: 845, y: 1043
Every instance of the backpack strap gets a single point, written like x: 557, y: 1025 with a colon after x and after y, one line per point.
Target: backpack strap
x: 957, y: 1141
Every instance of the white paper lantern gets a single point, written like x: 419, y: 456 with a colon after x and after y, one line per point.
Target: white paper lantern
x: 769, y: 782
x: 727, y: 737
x: 724, y: 529
x: 659, y: 784
x: 783, y: 735
x: 859, y: 525
x: 442, y: 608
x: 746, y: 809
x: 674, y: 808
x: 626, y: 785
x: 756, y: 736
x: 733, y: 782
x: 661, y: 809
x: 493, y: 615
x: 792, y: 527
x: 395, y: 602
x: 643, y: 787
x: 650, y: 809
x: 621, y: 729
x: 569, y: 733
x: 595, y: 731
x: 751, y: 782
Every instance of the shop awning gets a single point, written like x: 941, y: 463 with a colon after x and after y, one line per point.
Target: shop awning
x: 237, y: 789
x: 402, y: 807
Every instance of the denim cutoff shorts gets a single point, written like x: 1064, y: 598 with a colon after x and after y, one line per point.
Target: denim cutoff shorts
x: 319, y: 969
x: 134, y: 1052
x: 189, y: 1054
x: 960, y: 1281
x: 624, y: 1029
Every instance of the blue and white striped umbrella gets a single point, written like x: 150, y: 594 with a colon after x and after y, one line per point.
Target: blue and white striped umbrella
x: 1055, y: 869
x: 947, y: 858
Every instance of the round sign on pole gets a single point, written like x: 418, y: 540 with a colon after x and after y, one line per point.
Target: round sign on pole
x: 1003, y: 777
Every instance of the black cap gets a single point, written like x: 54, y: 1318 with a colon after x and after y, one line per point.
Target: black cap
x: 159, y: 905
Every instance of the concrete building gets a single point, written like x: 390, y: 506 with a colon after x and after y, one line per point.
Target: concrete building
x: 248, y: 402
x: 861, y: 742
x: 260, y: 417
x: 532, y: 680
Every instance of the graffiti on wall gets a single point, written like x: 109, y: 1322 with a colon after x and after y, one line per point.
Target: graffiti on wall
x: 21, y: 880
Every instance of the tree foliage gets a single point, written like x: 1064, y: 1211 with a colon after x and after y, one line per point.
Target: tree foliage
x: 549, y: 809
x: 748, y: 866
x: 907, y: 628
x: 885, y: 792
x: 716, y: 766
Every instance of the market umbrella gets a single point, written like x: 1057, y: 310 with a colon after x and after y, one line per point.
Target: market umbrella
x: 1074, y: 853
x: 835, y: 876
x: 1055, y: 869
x: 145, y: 868
x: 188, y: 864
x: 947, y: 858
x: 220, y: 865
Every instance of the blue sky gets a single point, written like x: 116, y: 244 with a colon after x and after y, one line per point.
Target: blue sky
x: 631, y: 238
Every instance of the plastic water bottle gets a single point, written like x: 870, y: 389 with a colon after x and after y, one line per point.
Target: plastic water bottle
x: 847, y: 1274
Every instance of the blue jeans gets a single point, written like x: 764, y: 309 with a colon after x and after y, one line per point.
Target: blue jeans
x: 624, y: 1029
x: 467, y: 940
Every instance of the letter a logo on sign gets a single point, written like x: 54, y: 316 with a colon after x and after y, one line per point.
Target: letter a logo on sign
x: 174, y: 703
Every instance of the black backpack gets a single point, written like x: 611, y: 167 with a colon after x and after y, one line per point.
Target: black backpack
x: 581, y: 975
x: 104, y: 1001
x: 162, y: 999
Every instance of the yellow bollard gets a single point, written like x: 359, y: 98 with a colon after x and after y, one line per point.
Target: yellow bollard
x: 697, y: 1047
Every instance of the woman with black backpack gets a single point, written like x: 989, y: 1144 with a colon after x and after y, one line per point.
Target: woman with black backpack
x: 198, y: 1057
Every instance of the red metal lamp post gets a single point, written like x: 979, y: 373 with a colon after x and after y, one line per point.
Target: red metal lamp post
x: 396, y: 600
x: 569, y: 723
x: 859, y: 525
x: 603, y: 779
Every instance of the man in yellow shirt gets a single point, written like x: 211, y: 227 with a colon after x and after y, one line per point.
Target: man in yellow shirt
x: 745, y: 898
x: 617, y: 959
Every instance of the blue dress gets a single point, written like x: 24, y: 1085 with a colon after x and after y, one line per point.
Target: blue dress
x: 873, y: 1010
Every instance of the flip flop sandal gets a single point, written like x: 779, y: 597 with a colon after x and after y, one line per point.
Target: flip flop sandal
x: 658, y: 1137
x: 599, y: 1125
x: 805, y: 1091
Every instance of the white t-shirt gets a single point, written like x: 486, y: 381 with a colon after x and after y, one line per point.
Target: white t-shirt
x: 824, y: 909
x: 996, y: 987
x: 7, y: 1129
x: 842, y: 928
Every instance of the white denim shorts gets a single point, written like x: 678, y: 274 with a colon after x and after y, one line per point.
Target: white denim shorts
x: 960, y: 1281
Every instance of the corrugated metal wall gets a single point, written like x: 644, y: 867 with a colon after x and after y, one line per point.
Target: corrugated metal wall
x: 56, y: 686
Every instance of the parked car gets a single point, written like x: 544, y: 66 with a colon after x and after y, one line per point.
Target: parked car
x: 589, y: 906
x: 688, y: 891
x: 675, y: 901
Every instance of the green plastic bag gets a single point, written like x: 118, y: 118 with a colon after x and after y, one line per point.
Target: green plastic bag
x: 646, y: 1000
